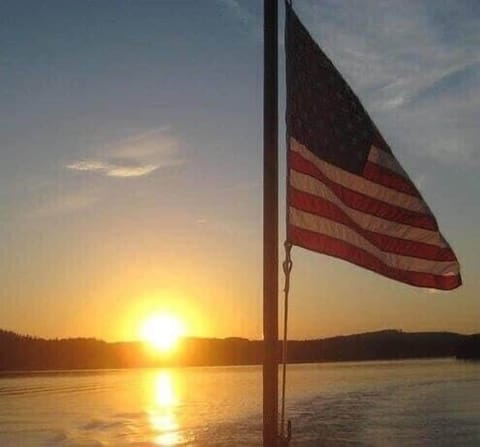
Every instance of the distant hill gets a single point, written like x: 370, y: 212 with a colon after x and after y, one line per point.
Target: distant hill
x: 20, y: 352
x: 469, y: 348
x: 387, y: 344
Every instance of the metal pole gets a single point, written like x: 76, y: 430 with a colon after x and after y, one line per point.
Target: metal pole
x: 270, y: 226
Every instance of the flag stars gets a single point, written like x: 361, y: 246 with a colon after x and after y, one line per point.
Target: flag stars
x: 323, y: 111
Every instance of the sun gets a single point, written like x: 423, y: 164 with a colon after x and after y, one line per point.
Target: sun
x: 162, y: 332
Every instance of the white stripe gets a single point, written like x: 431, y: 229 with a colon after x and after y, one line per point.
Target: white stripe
x: 386, y: 160
x: 306, y: 183
x: 342, y: 232
x: 360, y: 184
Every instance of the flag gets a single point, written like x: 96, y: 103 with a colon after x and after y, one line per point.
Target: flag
x: 347, y: 195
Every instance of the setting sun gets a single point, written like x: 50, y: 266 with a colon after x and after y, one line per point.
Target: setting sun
x: 162, y: 332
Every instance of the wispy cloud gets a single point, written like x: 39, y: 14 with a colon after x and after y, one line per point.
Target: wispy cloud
x: 137, y: 155
x: 122, y: 168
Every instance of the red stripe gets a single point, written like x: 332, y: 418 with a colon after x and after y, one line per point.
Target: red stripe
x: 343, y: 250
x: 385, y: 177
x: 322, y: 207
x: 362, y: 202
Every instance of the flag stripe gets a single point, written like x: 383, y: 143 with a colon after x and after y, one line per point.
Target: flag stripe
x: 343, y: 250
x: 343, y: 232
x: 364, y: 186
x: 321, y: 207
x: 385, y: 177
x: 386, y: 160
x: 353, y: 199
x: 308, y: 184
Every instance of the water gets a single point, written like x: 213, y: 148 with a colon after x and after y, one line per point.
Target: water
x: 403, y: 403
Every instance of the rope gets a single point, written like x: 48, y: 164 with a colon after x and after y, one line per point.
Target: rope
x: 287, y: 268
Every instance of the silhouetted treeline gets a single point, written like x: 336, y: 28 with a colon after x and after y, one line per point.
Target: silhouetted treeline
x: 388, y: 345
x: 469, y: 349
x: 18, y: 352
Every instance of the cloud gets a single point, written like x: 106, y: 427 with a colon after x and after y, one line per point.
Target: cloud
x: 136, y: 155
x: 111, y: 169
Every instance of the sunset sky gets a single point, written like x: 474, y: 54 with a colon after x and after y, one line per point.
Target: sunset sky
x: 131, y: 163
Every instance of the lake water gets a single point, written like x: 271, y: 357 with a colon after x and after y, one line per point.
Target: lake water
x: 402, y: 403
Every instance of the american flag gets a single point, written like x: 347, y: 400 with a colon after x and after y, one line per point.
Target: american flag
x: 347, y: 195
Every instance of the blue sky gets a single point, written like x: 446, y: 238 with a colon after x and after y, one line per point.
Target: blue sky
x: 130, y: 174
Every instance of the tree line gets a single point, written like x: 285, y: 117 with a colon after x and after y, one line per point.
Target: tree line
x: 23, y: 352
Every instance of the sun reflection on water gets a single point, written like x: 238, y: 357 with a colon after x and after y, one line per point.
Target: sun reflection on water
x: 162, y: 414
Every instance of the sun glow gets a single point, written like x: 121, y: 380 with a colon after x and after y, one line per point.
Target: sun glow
x: 162, y: 332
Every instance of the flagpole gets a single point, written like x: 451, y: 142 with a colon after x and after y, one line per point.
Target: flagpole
x: 270, y: 225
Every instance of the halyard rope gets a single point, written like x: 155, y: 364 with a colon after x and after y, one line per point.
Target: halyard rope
x: 287, y: 268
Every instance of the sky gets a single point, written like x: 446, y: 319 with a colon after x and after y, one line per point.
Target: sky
x: 131, y: 163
